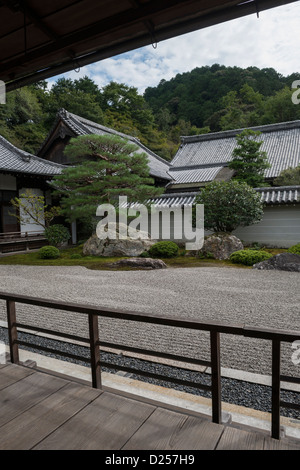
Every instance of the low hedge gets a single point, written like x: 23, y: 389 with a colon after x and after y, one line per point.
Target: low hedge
x: 295, y: 249
x: 49, y: 252
x: 249, y: 257
x: 164, y: 249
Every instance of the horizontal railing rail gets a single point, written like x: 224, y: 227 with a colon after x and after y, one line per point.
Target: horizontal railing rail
x: 215, y: 329
x: 27, y: 234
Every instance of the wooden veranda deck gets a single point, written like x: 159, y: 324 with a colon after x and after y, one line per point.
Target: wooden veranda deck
x: 40, y: 410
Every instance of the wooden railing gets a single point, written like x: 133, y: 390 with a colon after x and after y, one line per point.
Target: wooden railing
x: 214, y: 329
x: 19, y: 241
x: 17, y: 235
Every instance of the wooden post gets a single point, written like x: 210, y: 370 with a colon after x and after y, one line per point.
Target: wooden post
x: 12, y: 331
x: 95, y: 351
x: 275, y: 432
x: 215, y: 376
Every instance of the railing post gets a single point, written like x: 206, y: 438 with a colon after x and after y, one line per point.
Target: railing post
x: 12, y: 331
x: 215, y: 376
x: 95, y: 350
x: 275, y: 432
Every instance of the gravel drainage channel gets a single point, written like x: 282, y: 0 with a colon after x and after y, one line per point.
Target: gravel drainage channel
x: 234, y: 391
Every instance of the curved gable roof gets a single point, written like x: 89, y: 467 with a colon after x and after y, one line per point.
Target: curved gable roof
x: 15, y: 160
x: 80, y: 126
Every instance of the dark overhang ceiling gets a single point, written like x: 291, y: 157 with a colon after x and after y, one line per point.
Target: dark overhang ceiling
x: 40, y: 39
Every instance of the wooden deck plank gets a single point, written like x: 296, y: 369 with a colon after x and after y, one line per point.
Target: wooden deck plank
x: 12, y: 373
x: 282, y: 444
x: 238, y: 439
x: 42, y: 411
x: 29, y: 428
x: 169, y: 430
x: 107, y: 423
x: 21, y: 395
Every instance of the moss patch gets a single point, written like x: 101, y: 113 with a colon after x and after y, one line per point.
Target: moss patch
x: 73, y: 257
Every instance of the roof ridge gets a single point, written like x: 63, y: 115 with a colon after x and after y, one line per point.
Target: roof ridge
x: 83, y: 121
x: 233, y: 132
x: 27, y: 155
x: 11, y: 146
x: 279, y: 188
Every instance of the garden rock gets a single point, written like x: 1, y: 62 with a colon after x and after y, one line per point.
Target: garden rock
x: 113, y: 245
x: 282, y: 261
x: 221, y: 245
x: 140, y: 263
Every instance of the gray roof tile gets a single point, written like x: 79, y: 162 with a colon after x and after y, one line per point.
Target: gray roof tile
x: 14, y: 160
x: 195, y: 175
x: 280, y: 141
x: 81, y: 126
x: 280, y: 195
x: 269, y: 196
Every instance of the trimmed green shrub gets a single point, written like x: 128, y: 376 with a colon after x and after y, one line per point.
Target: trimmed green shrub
x: 229, y: 205
x: 249, y: 257
x: 49, y: 252
x: 75, y: 256
x: 295, y: 249
x: 164, y: 249
x: 57, y: 234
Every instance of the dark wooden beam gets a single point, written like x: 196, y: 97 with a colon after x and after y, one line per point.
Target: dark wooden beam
x: 32, y: 16
x: 33, y: 64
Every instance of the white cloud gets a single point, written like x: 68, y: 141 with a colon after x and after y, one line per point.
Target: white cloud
x: 270, y: 41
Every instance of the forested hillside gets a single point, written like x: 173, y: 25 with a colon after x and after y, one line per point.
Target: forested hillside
x: 221, y: 98
x: 203, y: 100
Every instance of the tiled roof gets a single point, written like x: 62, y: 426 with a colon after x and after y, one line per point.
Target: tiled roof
x: 280, y: 141
x: 269, y: 196
x: 280, y: 195
x: 14, y: 160
x: 81, y: 126
x: 194, y: 175
x: 174, y: 199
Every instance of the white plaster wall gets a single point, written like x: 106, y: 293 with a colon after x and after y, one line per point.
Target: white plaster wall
x: 280, y: 227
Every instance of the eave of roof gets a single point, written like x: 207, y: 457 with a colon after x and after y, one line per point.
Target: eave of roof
x: 15, y: 160
x: 43, y: 39
x: 280, y: 195
x: 269, y: 196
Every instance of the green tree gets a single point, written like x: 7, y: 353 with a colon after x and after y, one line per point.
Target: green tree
x: 78, y: 97
x: 249, y: 162
x: 241, y: 109
x: 280, y: 108
x: 106, y: 167
x: 288, y: 177
x: 118, y: 97
x: 21, y: 119
x: 229, y: 205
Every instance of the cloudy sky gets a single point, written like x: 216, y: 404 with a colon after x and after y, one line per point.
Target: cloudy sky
x: 268, y: 41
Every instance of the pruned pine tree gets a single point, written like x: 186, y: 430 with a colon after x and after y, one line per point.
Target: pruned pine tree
x: 249, y: 162
x: 105, y: 167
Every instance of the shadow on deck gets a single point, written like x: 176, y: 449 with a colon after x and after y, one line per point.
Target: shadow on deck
x: 43, y: 411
